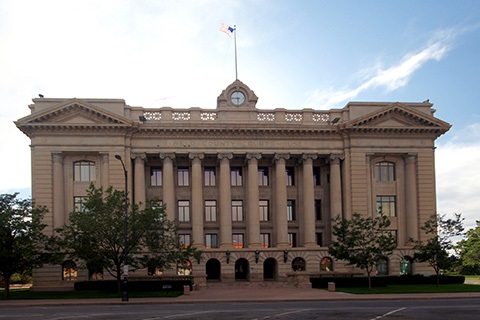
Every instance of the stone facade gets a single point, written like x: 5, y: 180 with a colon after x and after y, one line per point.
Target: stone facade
x: 254, y: 189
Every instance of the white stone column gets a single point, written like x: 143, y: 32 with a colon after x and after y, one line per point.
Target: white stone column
x: 253, y: 201
x: 197, y: 200
x: 335, y: 187
x: 411, y: 200
x: 308, y: 201
x: 225, y: 205
x: 58, y: 191
x: 139, y: 182
x: 168, y: 185
x: 281, y: 218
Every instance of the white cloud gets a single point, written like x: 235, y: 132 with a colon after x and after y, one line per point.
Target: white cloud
x: 458, y: 176
x: 390, y: 78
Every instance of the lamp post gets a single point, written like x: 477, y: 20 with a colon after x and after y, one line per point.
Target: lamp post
x: 125, y: 233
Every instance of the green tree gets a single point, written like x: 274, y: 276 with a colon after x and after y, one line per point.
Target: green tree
x: 434, y: 250
x: 96, y: 234
x: 362, y: 241
x: 470, y: 249
x: 23, y: 245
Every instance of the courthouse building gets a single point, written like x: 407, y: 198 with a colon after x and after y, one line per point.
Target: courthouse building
x: 255, y: 190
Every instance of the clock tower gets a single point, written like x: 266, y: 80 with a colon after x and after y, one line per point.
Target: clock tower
x: 237, y: 96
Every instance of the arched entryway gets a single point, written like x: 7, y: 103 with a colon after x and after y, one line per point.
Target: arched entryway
x: 213, y: 269
x: 270, y: 269
x: 242, y: 269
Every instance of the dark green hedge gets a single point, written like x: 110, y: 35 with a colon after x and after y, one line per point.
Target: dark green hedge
x: 136, y: 285
x: 382, y: 281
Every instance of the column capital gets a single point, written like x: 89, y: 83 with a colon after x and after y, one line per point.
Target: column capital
x: 279, y: 156
x: 163, y: 156
x: 335, y: 158
x: 410, y: 158
x: 228, y: 156
x: 307, y: 156
x: 138, y: 156
x: 193, y: 156
x: 57, y: 157
x: 256, y: 156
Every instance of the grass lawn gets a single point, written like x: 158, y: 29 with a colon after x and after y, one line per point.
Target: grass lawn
x: 411, y: 288
x: 22, y: 294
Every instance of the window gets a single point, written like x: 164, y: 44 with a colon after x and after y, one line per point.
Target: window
x: 183, y: 210
x: 95, y: 272
x: 382, y: 267
x: 84, y: 171
x: 79, y: 204
x: 290, y: 176
x: 210, y: 210
x: 298, y: 264
x: 316, y: 176
x: 326, y: 264
x: 265, y: 238
x: 385, y: 171
x: 154, y: 268
x: 183, y: 176
x: 386, y: 206
x: 237, y: 210
x: 209, y: 175
x: 184, y: 240
x: 237, y: 240
x: 156, y: 177
x: 236, y: 176
x: 319, y: 238
x: 291, y: 216
x: 184, y: 268
x: 211, y: 240
x: 406, y: 265
x: 69, y: 271
x: 292, y: 239
x: 318, y: 209
x: 263, y: 176
x: 264, y: 214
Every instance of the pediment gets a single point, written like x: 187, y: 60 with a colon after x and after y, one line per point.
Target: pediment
x: 75, y: 112
x: 398, y: 116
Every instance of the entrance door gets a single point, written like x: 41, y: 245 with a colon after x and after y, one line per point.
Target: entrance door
x: 270, y: 269
x: 213, y: 269
x: 242, y: 269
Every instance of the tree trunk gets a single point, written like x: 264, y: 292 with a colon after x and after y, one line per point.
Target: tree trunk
x: 438, y: 278
x: 369, y: 279
x: 7, y: 286
x: 119, y: 281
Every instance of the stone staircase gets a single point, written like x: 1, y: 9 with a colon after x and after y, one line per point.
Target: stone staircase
x: 212, y: 285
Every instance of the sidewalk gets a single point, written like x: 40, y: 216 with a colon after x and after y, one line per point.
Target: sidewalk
x: 245, y: 295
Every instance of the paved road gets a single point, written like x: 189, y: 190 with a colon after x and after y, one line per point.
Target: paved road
x: 464, y: 309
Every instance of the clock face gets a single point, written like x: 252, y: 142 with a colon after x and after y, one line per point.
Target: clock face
x: 237, y: 98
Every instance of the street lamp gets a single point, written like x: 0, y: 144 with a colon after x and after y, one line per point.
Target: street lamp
x: 125, y: 231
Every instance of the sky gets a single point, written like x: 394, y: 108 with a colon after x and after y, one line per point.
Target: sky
x: 294, y: 54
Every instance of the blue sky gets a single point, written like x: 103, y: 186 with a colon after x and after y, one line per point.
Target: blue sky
x: 293, y: 54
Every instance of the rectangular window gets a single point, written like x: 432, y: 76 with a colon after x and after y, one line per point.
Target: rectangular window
x: 319, y: 237
x: 184, y: 240
x: 84, y: 171
x: 318, y: 209
x: 291, y: 215
x: 182, y: 177
x: 292, y: 239
x: 265, y: 238
x: 237, y: 239
x: 237, y: 210
x: 386, y: 206
x: 156, y: 177
x: 236, y: 176
x: 211, y: 240
x: 264, y: 212
x: 316, y: 176
x: 290, y: 176
x: 385, y: 171
x: 79, y: 204
x: 209, y: 175
x: 263, y: 176
x: 210, y: 210
x: 183, y: 210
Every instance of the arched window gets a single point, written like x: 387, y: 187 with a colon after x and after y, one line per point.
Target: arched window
x: 154, y: 268
x: 385, y: 171
x: 298, y: 264
x: 184, y: 268
x: 84, y: 171
x: 406, y: 265
x: 69, y: 270
x: 382, y: 267
x: 326, y: 264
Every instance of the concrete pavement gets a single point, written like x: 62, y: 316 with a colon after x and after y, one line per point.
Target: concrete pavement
x: 244, y: 295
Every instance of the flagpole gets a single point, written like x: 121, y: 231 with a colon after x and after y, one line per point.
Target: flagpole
x: 235, y: 39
